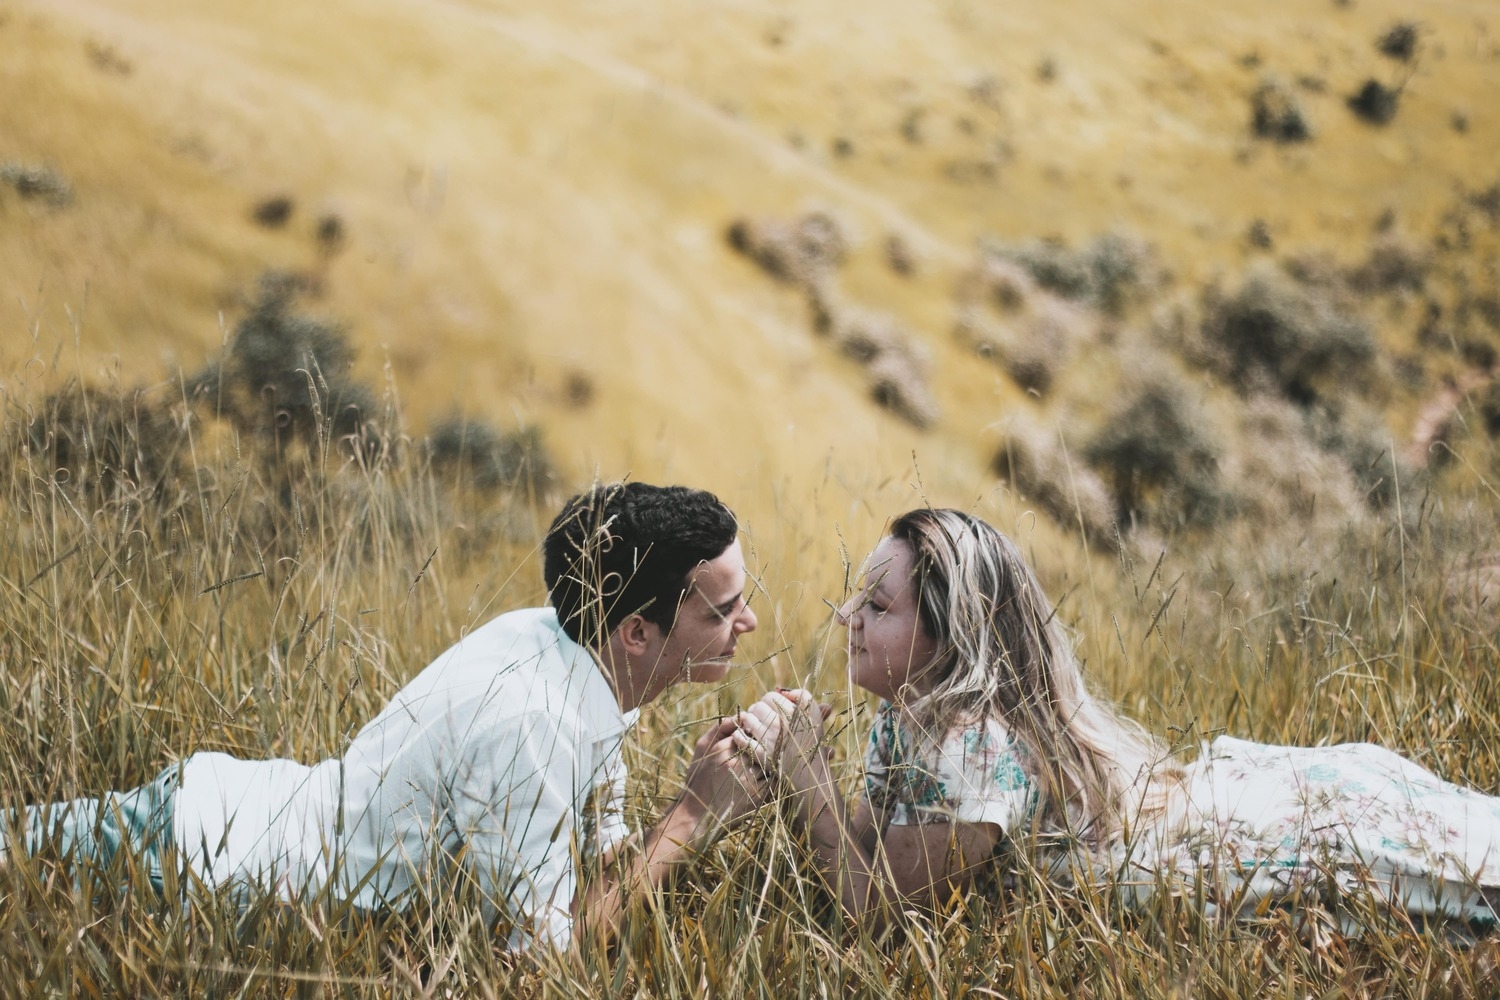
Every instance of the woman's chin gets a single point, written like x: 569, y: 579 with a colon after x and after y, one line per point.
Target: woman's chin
x: 708, y: 673
x: 877, y: 689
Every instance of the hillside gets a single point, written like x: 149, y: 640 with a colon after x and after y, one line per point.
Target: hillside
x: 524, y: 210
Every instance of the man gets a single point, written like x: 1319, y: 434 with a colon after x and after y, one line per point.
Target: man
x: 499, y: 764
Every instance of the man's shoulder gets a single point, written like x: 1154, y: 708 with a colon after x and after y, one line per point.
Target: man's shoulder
x: 521, y: 635
x: 520, y: 663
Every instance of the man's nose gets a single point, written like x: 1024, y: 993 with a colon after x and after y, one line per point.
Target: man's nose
x: 845, y: 613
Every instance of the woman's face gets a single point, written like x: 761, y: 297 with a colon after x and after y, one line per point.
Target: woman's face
x: 889, y: 650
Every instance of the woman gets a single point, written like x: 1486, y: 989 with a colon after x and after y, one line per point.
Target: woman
x: 987, y: 731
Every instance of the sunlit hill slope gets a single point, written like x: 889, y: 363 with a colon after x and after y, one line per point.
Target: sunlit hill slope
x: 521, y: 213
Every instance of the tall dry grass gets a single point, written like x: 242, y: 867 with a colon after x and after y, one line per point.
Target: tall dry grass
x: 169, y: 584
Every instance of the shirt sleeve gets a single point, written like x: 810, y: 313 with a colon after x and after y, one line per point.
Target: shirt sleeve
x: 514, y: 813
x: 604, y: 823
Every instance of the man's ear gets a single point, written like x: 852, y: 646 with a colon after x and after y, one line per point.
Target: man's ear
x: 637, y: 634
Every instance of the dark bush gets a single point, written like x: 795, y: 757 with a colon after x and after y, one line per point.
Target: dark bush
x: 1489, y: 408
x: 331, y: 234
x: 1375, y: 102
x: 900, y: 256
x: 1276, y: 113
x: 1294, y: 338
x: 1393, y: 265
x: 101, y: 444
x: 1478, y: 352
x: 1361, y: 442
x: 898, y: 382
x: 1055, y: 267
x: 998, y: 280
x: 578, y: 389
x: 1107, y: 273
x: 472, y: 451
x: 273, y: 213
x: 1488, y: 202
x: 37, y: 183
x: 1153, y: 451
x: 799, y: 252
x: 1034, y: 464
x: 894, y: 362
x: 285, y: 376
x: 1400, y: 40
x: 1031, y: 347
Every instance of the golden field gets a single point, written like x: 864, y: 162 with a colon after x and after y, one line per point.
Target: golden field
x: 531, y: 209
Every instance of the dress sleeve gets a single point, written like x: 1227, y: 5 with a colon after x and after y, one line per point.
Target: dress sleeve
x: 878, y: 759
x: 981, y: 778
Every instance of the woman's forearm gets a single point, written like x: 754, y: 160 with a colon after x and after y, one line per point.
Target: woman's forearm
x: 863, y: 890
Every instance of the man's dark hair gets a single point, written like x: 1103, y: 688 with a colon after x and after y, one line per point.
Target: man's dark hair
x: 621, y: 549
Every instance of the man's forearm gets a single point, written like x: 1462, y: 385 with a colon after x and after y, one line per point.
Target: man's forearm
x: 679, y: 836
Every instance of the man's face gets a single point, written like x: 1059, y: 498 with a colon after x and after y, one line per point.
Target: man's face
x: 712, y: 617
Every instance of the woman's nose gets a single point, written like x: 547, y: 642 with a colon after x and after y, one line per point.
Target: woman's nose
x: 747, y: 621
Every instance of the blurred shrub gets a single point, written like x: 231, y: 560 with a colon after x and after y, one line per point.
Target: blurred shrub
x: 1295, y: 339
x: 1108, y: 273
x: 274, y: 212
x: 896, y: 366
x: 1489, y: 408
x: 285, y: 391
x: 900, y: 255
x: 895, y: 363
x: 1375, y: 102
x: 798, y: 252
x: 998, y: 281
x: 805, y: 253
x: 37, y: 183
x: 898, y: 382
x: 1400, y: 41
x: 1035, y: 464
x: 331, y: 233
x: 1276, y: 113
x: 1154, y: 450
x: 99, y: 445
x: 472, y: 451
x: 1360, y: 440
x: 1394, y: 264
x: 287, y: 377
x: 1032, y: 347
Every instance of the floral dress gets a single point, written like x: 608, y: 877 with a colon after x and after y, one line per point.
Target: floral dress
x: 974, y: 776
x: 1256, y: 825
x: 1270, y: 823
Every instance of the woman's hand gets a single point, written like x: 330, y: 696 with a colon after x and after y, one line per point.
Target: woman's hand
x: 784, y: 733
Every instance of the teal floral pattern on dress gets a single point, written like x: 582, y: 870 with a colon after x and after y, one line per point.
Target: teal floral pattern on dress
x: 1269, y: 823
x: 972, y: 776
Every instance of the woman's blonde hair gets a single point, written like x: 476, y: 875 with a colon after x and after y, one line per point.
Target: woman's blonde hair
x: 1003, y: 655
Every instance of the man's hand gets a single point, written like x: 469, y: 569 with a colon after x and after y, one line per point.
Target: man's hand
x: 723, y: 784
x: 722, y: 788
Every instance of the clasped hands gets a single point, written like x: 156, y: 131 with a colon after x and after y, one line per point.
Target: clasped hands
x: 783, y: 734
x: 735, y: 761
